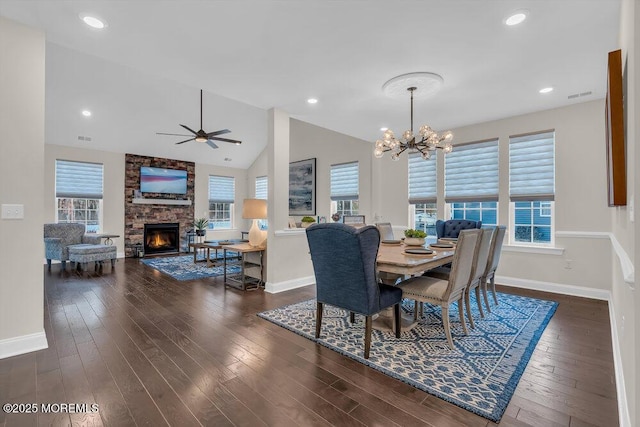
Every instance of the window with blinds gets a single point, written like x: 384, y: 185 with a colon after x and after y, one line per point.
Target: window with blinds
x: 79, y: 190
x: 471, y: 172
x: 532, y: 188
x: 532, y: 167
x: 261, y: 187
x: 222, y: 193
x: 422, y: 179
x: 262, y: 192
x: 344, y: 188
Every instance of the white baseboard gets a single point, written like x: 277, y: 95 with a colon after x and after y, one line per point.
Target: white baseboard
x: 556, y: 288
x: 23, y: 344
x: 287, y: 285
x: 623, y: 403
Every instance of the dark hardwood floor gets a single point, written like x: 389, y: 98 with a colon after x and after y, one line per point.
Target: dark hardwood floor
x: 153, y: 351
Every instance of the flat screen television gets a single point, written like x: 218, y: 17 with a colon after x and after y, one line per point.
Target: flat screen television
x: 160, y: 180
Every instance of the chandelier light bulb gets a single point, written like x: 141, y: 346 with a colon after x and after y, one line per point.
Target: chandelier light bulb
x: 395, y: 157
x: 379, y: 144
x: 447, y: 148
x: 407, y: 135
x: 448, y: 136
x: 426, y: 155
x: 378, y: 153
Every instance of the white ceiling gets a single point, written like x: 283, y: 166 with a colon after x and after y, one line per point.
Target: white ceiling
x: 142, y: 74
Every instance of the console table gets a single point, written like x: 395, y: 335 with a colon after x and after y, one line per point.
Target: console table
x: 251, y: 267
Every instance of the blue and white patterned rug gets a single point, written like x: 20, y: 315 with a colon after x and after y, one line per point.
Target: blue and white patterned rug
x: 480, y: 375
x: 183, y: 267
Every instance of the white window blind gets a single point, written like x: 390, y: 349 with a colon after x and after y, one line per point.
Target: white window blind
x: 79, y: 180
x: 471, y: 173
x: 422, y: 179
x: 532, y: 167
x: 261, y: 187
x: 222, y: 189
x: 344, y: 181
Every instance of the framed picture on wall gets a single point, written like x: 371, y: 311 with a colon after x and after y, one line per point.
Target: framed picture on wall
x: 616, y: 156
x: 302, y: 187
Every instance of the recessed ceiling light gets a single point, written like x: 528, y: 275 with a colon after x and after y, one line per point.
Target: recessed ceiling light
x: 546, y: 90
x: 312, y: 101
x: 384, y: 129
x: 93, y: 22
x: 86, y: 113
x: 516, y: 17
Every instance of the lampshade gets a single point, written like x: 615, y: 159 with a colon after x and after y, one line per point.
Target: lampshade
x: 254, y: 209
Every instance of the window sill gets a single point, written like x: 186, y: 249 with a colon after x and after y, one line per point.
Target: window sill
x: 545, y: 250
x: 290, y: 232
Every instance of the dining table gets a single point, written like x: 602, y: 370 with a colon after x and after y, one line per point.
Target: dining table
x: 394, y: 264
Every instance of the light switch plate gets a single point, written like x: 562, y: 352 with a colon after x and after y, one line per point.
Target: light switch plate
x: 12, y: 211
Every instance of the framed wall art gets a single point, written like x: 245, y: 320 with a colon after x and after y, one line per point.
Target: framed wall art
x: 302, y: 187
x: 616, y: 158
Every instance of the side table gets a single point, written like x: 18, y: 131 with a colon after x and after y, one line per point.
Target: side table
x: 251, y: 267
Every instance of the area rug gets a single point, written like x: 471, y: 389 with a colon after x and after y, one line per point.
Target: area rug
x: 480, y: 375
x: 183, y: 267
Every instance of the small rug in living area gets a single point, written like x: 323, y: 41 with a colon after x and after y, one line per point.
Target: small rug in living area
x: 183, y: 267
x: 480, y: 375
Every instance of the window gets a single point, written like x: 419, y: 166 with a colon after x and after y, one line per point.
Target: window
x: 344, y: 188
x: 222, y: 193
x: 487, y: 212
x: 471, y: 182
x: 532, y: 188
x: 262, y: 193
x: 422, y: 193
x: 79, y: 193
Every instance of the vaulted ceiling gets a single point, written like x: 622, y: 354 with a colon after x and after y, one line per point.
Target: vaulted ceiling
x: 142, y: 74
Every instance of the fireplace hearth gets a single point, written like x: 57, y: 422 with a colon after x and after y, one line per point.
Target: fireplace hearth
x: 161, y: 238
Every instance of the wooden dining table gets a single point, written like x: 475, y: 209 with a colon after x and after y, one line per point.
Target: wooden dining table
x: 394, y: 263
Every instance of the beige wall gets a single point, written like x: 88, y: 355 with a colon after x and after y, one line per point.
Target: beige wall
x: 625, y: 298
x: 113, y: 192
x: 581, y: 204
x: 21, y: 176
x: 201, y: 202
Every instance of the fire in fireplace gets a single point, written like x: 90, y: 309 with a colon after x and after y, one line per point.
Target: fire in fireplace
x: 161, y: 238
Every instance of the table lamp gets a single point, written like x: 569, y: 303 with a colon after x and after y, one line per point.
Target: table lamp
x: 255, y: 209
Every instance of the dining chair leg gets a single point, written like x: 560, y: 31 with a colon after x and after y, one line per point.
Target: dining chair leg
x: 461, y: 314
x: 352, y: 317
x: 367, y: 336
x: 318, y: 318
x: 447, y: 327
x: 485, y: 293
x: 396, y: 319
x: 479, y: 302
x: 467, y: 300
x: 493, y: 289
x: 416, y: 308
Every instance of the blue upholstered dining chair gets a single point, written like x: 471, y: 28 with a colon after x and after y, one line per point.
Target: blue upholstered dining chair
x: 344, y: 262
x: 452, y: 227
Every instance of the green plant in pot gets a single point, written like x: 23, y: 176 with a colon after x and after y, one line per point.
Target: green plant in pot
x: 201, y: 225
x: 414, y: 237
x: 307, y: 221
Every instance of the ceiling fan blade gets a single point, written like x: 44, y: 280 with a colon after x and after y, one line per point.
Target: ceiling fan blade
x: 234, y: 141
x: 218, y: 132
x: 171, y: 134
x: 189, y: 129
x: 211, y: 144
x: 186, y: 140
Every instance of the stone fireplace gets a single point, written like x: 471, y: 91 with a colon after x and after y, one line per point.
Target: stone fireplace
x: 155, y: 208
x: 161, y: 238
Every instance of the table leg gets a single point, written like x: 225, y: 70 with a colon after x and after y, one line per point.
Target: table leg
x: 209, y: 264
x: 195, y: 254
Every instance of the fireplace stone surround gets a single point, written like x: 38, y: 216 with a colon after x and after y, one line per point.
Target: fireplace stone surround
x: 137, y: 215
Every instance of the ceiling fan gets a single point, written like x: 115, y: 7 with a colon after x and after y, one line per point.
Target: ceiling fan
x: 201, y: 135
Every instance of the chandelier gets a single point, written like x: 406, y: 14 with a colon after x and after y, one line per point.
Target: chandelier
x: 428, y: 141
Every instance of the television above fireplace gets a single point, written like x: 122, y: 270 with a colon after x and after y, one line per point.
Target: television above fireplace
x: 160, y: 180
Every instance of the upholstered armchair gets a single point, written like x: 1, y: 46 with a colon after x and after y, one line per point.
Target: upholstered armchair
x: 344, y: 262
x: 58, y: 238
x: 451, y: 228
